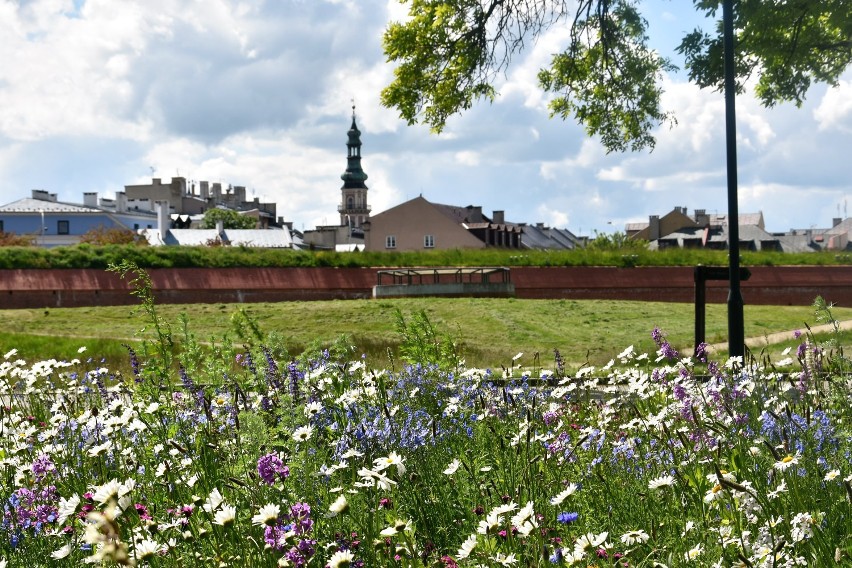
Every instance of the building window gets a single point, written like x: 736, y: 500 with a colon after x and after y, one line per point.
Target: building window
x: 429, y: 241
x: 62, y: 227
x: 390, y: 242
x: 135, y: 226
x: 1, y: 226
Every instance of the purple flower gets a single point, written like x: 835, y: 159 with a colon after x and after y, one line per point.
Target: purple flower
x: 668, y: 351
x: 270, y: 468
x: 41, y: 466
x: 701, y: 352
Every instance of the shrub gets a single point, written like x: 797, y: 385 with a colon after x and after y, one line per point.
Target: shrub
x: 101, y: 235
x: 13, y: 240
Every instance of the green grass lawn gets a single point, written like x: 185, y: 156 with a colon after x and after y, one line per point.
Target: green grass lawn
x: 489, y: 331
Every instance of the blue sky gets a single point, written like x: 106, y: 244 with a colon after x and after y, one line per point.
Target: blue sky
x: 97, y: 94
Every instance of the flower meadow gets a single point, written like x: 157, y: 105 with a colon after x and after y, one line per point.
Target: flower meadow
x: 231, y: 453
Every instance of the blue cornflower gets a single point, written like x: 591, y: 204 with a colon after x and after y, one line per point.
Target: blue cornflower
x: 566, y: 518
x: 556, y: 557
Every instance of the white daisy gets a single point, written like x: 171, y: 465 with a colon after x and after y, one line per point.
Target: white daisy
x: 662, y: 481
x: 303, y: 434
x: 66, y: 508
x: 453, y: 467
x: 339, y: 506
x: 787, y: 461
x: 693, y: 552
x: 505, y: 560
x: 523, y: 515
x: 392, y: 459
x: 341, y: 559
x: 225, y: 516
x: 107, y: 491
x: 635, y: 537
x: 213, y: 501
x: 147, y: 548
x: 589, y: 541
x: 268, y: 515
x: 467, y: 547
x: 570, y: 490
x: 313, y: 408
x: 62, y: 552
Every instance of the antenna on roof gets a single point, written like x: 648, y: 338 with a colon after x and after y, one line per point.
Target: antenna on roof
x: 153, y: 169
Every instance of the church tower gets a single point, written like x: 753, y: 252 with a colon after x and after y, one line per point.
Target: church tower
x: 353, y: 207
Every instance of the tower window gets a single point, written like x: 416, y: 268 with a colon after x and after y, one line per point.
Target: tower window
x: 429, y: 241
x: 349, y: 202
x: 390, y: 241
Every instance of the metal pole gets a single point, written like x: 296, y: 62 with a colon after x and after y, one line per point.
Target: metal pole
x: 700, y: 309
x: 736, y: 332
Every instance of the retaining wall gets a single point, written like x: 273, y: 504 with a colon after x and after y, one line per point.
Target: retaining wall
x: 38, y: 288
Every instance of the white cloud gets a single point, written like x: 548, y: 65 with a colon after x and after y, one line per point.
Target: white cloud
x: 835, y: 108
x: 552, y: 217
x: 467, y: 158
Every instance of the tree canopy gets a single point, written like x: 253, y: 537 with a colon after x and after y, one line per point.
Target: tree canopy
x: 450, y: 52
x: 230, y: 218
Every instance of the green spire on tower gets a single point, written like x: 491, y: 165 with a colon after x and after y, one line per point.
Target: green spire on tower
x: 354, y: 177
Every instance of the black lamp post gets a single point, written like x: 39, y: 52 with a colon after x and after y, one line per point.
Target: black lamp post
x: 736, y: 324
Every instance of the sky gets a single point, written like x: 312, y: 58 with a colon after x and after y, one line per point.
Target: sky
x: 99, y: 94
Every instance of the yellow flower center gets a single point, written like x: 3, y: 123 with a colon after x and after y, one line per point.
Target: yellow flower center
x: 787, y: 459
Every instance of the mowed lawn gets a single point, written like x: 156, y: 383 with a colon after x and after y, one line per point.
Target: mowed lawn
x: 489, y: 331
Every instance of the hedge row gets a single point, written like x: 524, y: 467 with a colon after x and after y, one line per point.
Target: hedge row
x: 91, y: 256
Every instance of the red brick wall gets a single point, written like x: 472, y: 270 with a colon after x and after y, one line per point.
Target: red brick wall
x: 34, y: 288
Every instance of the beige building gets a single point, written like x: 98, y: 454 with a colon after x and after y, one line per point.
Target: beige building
x: 420, y: 225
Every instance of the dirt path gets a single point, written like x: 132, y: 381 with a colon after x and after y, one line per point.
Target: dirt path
x: 778, y: 337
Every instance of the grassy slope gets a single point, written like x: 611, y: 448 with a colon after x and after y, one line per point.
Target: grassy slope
x: 491, y: 331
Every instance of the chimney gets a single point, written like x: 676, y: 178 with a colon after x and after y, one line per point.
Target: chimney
x: 701, y: 217
x: 204, y: 187
x: 90, y: 199
x: 217, y: 192
x: 120, y: 202
x: 179, y: 186
x: 164, y: 222
x: 474, y: 213
x: 156, y: 181
x: 836, y: 221
x: 43, y: 195
x: 498, y: 217
x: 653, y: 227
